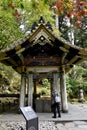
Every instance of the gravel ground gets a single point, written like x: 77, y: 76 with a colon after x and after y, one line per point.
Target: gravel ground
x: 43, y: 125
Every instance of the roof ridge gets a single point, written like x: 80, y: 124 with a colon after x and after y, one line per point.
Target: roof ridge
x: 41, y: 21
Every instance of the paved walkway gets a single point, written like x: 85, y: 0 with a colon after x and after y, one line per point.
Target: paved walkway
x: 76, y: 112
x: 75, y: 119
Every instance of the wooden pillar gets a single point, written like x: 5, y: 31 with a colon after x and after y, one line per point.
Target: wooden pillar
x: 64, y: 103
x: 30, y: 89
x: 34, y: 94
x: 35, y: 89
x: 22, y: 93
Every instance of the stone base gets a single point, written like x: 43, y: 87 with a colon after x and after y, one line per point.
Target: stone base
x: 43, y: 105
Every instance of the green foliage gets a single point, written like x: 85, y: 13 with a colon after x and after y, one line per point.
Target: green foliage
x: 81, y: 34
x: 45, y: 83
x: 15, y: 83
x: 85, y: 87
x: 9, y: 28
x: 45, y: 86
x: 37, y: 9
x: 44, y: 91
x: 14, y: 13
x: 72, y: 87
x: 76, y: 78
x: 9, y: 80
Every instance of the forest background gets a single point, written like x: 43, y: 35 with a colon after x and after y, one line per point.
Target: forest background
x: 68, y: 19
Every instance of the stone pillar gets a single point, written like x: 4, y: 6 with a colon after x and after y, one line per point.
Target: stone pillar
x: 55, y: 81
x: 30, y: 89
x: 81, y: 95
x: 51, y: 86
x: 22, y: 93
x: 64, y: 103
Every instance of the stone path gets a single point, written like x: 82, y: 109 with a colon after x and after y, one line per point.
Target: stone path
x: 75, y: 119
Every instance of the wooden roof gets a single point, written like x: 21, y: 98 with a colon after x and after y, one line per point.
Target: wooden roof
x: 41, y: 47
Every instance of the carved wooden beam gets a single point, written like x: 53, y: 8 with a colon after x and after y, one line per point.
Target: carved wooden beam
x: 64, y: 49
x: 73, y: 59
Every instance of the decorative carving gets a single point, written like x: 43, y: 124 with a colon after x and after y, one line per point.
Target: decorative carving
x: 42, y: 60
x: 42, y: 38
